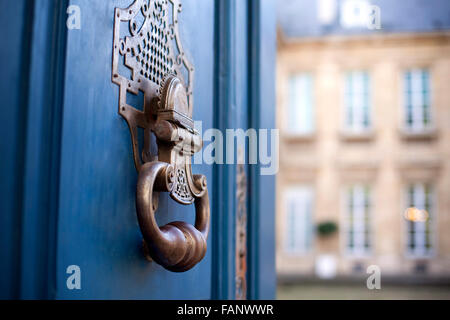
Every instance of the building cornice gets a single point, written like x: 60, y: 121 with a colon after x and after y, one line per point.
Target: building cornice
x: 376, y: 38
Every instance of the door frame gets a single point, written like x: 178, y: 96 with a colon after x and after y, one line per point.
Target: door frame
x: 261, y: 37
x: 34, y: 149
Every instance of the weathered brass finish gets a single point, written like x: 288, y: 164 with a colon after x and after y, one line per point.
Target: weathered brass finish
x: 177, y: 246
x: 149, y: 52
x: 143, y: 54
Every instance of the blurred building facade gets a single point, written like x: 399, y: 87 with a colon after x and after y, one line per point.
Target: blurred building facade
x: 363, y: 108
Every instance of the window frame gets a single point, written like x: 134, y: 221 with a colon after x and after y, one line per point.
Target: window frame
x: 344, y: 230
x: 405, y: 128
x: 433, y: 223
x: 359, y: 130
x: 298, y: 131
x: 290, y: 192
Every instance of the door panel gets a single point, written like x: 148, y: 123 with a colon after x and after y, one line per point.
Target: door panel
x: 97, y: 224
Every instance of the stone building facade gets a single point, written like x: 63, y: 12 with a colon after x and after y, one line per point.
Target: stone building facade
x: 364, y: 139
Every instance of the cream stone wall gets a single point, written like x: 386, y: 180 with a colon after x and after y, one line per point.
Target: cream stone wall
x: 386, y: 158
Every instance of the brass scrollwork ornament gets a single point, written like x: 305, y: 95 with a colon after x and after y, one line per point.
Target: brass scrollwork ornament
x: 149, y: 52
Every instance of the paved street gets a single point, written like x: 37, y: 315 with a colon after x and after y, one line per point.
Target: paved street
x: 354, y: 292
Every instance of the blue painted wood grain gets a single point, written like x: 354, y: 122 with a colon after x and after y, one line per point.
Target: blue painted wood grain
x: 97, y: 224
x: 225, y: 115
x: 262, y: 57
x: 13, y: 108
x: 30, y: 149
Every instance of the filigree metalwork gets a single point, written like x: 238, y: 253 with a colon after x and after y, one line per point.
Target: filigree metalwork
x: 177, y: 140
x: 147, y: 47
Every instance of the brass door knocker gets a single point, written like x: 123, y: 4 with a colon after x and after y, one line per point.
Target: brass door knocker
x: 149, y: 52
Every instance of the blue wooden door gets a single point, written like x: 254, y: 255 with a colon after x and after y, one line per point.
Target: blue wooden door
x: 97, y: 225
x: 68, y: 192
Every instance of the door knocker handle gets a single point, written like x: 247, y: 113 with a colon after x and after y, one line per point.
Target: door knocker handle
x: 177, y: 246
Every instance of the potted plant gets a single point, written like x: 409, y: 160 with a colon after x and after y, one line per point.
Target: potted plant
x: 326, y: 229
x: 325, y: 266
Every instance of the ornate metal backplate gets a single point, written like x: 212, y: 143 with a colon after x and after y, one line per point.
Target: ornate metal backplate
x: 147, y: 46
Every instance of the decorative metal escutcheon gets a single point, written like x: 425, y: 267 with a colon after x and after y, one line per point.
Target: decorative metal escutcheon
x: 150, y: 51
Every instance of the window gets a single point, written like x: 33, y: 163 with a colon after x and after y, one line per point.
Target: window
x: 417, y: 100
x: 355, y: 13
x: 419, y: 231
x: 357, y: 100
x: 326, y: 11
x: 300, y: 117
x: 357, y: 220
x: 298, y: 206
